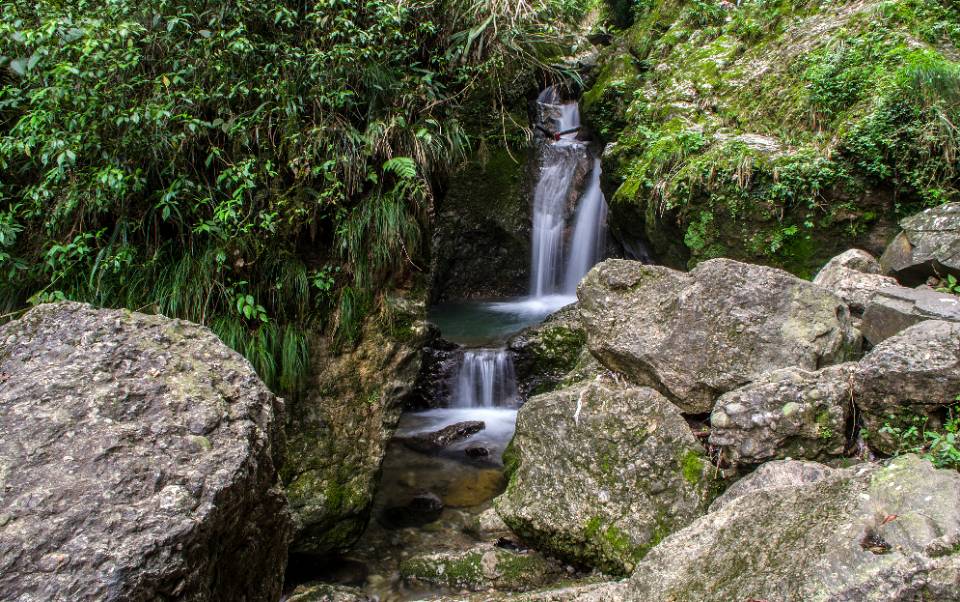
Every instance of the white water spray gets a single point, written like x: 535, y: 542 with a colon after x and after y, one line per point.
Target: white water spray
x: 485, y: 380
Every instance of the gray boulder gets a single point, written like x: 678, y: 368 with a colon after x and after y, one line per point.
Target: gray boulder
x: 601, y: 472
x: 854, y: 276
x: 788, y: 413
x: 893, y: 309
x: 871, y: 532
x: 928, y: 246
x: 915, y: 373
x: 696, y: 336
x: 138, y: 461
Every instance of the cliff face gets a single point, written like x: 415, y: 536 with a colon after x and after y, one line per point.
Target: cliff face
x: 776, y: 132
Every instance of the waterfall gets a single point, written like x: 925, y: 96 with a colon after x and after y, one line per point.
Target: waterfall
x: 553, y: 268
x: 589, y: 233
x: 549, y: 217
x: 485, y: 380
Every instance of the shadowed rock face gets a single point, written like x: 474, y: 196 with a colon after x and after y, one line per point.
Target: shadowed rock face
x: 138, y: 461
x: 696, y: 336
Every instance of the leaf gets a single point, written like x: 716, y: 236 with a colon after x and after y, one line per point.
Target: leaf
x: 403, y: 167
x: 19, y: 66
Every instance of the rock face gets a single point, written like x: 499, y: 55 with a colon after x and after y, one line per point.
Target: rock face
x: 893, y: 309
x: 696, y: 336
x: 871, y: 532
x: 854, y: 276
x: 338, y: 434
x: 545, y: 353
x: 928, y: 246
x: 481, y: 568
x: 138, y: 461
x: 481, y: 241
x: 915, y: 373
x: 601, y: 472
x: 786, y: 413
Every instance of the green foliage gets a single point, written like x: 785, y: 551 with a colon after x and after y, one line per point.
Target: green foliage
x: 939, y: 445
x: 950, y: 284
x: 796, y: 125
x: 260, y: 167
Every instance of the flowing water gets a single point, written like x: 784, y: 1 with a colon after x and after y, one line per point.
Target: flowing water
x: 568, y: 239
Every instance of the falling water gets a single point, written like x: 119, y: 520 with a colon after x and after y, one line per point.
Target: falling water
x: 485, y: 380
x: 555, y: 270
x: 589, y: 233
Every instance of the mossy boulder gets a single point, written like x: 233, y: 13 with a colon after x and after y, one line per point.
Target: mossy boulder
x: 545, y: 353
x: 883, y: 532
x: 338, y: 433
x: 601, y: 472
x: 694, y: 336
x: 481, y: 568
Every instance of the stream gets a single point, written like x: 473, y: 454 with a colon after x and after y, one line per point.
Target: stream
x: 428, y: 501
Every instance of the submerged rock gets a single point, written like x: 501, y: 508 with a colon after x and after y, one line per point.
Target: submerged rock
x: 481, y: 568
x: 138, y: 461
x: 915, y: 373
x: 786, y: 413
x: 854, y: 276
x: 423, y: 509
x: 601, y: 472
x: 443, y: 438
x: 893, y: 309
x: 696, y: 336
x: 871, y: 532
x: 928, y: 246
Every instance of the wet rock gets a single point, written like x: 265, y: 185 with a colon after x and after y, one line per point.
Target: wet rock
x: 601, y: 472
x: 696, y: 336
x: 893, y: 309
x: 441, y: 439
x: 811, y: 540
x: 914, y: 373
x: 854, y: 276
x: 423, y: 509
x: 789, y: 413
x: 339, y: 432
x: 432, y: 388
x: 131, y: 446
x: 928, y: 246
x: 481, y: 568
x: 325, y: 592
x: 477, y: 451
x: 546, y: 352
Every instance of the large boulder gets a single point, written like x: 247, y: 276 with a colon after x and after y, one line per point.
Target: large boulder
x: 696, y: 336
x: 913, y: 374
x: 339, y: 431
x: 871, y: 532
x: 788, y: 413
x: 545, y: 353
x: 138, y: 461
x: 854, y: 276
x: 601, y: 472
x: 928, y: 246
x: 895, y: 308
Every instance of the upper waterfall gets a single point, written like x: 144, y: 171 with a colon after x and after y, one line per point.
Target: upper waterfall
x: 561, y: 256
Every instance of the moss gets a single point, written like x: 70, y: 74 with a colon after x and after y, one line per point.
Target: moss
x: 692, y: 466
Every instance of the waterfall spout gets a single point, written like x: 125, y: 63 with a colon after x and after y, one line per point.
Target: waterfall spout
x: 485, y: 380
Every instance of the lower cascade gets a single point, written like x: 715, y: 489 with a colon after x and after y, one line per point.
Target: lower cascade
x: 485, y: 379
